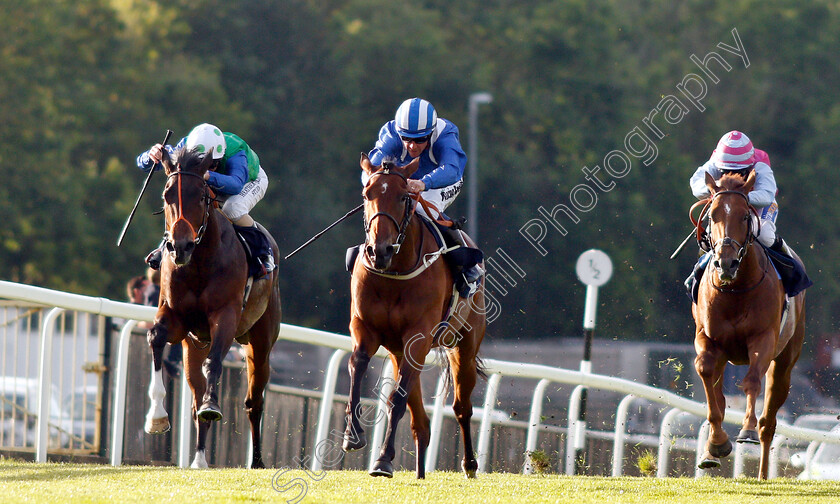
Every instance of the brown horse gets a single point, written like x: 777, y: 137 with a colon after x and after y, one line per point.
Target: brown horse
x: 739, y: 317
x: 203, y: 287
x: 400, y: 295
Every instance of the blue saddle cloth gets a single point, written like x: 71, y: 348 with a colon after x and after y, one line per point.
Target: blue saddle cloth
x: 791, y: 272
x: 256, y: 245
x: 464, y: 257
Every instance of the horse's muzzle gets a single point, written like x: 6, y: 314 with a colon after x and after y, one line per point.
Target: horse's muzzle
x: 380, y: 255
x: 726, y: 268
x: 180, y: 252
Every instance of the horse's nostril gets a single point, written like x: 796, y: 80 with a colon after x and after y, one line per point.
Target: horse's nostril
x: 170, y: 247
x: 189, y: 247
x: 716, y: 263
x: 370, y: 252
x: 389, y: 249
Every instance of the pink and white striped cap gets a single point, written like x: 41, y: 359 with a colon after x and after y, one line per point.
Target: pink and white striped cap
x: 734, y: 152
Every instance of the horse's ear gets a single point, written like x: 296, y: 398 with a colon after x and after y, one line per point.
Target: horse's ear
x: 365, y: 163
x: 748, y: 185
x: 711, y: 184
x: 409, y: 169
x: 166, y: 161
x: 205, y: 164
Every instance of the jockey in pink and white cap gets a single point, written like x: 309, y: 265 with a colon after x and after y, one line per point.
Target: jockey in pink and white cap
x: 735, y: 153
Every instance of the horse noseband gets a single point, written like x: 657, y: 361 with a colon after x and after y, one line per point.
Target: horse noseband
x: 205, y: 198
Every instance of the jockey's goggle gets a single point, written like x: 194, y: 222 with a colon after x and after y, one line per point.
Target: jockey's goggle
x: 417, y: 141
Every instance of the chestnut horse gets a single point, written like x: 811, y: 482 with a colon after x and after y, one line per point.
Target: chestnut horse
x: 400, y: 294
x: 739, y: 317
x: 203, y: 287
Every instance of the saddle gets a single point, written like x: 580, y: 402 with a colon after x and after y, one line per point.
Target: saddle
x: 791, y: 272
x: 460, y: 258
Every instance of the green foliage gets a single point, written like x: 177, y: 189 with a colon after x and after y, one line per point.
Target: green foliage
x: 89, y: 84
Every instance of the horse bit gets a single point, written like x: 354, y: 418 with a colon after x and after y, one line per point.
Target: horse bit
x: 409, y: 210
x: 205, y: 198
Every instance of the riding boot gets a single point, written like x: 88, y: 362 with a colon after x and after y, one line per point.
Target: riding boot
x: 155, y: 257
x: 692, y: 283
x: 266, y: 256
x: 472, y: 275
x: 780, y: 246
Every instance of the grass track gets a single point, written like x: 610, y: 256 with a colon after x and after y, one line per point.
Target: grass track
x: 59, y: 483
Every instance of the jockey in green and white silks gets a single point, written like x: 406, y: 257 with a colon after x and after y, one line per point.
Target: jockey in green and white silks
x: 236, y: 177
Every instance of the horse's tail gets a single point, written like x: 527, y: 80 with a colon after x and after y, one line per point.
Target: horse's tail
x: 445, y: 368
x: 480, y: 368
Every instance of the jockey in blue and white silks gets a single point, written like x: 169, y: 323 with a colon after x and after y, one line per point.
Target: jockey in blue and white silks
x: 417, y: 132
x: 435, y: 140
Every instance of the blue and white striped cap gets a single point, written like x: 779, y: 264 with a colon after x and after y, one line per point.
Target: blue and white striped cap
x: 415, y: 118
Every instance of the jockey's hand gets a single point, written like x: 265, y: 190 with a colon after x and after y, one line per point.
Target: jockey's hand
x: 416, y: 186
x: 207, y: 175
x: 156, y: 153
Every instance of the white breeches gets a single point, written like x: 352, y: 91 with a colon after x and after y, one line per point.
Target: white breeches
x: 767, y: 232
x: 238, y: 205
x: 440, y: 198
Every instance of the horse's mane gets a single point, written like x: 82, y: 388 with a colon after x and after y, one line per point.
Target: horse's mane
x: 189, y: 160
x: 732, y: 181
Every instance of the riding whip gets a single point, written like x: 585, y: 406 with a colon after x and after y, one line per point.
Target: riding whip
x: 143, y: 190
x: 692, y: 233
x: 348, y: 214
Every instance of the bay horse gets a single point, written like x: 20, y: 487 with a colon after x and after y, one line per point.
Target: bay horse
x: 739, y: 318
x: 400, y: 294
x: 204, y: 275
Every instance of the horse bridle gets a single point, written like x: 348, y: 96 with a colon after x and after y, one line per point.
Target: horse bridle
x: 409, y: 211
x: 729, y: 241
x: 206, y: 198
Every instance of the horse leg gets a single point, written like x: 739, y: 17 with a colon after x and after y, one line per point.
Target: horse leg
x: 259, y: 372
x: 408, y: 374
x: 464, y: 374
x: 760, y: 355
x: 776, y: 392
x: 157, y: 419
x: 420, y: 427
x: 709, y: 365
x: 193, y: 358
x: 223, y: 326
x: 354, y: 434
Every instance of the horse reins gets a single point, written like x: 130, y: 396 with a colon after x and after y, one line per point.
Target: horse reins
x: 207, y: 201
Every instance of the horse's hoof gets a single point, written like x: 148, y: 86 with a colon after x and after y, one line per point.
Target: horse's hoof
x: 157, y: 425
x: 257, y: 464
x: 354, y: 443
x: 209, y: 412
x: 748, y: 436
x: 351, y: 444
x: 382, y: 468
x: 708, y: 461
x: 720, y: 450
x: 469, y: 468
